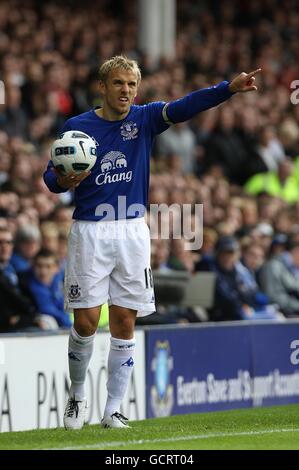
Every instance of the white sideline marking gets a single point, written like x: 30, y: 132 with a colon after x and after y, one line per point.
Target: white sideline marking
x: 176, y: 439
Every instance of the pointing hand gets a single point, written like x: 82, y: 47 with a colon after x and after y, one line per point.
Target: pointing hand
x: 244, y: 82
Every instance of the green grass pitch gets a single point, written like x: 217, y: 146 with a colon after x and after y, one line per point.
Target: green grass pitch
x: 259, y: 428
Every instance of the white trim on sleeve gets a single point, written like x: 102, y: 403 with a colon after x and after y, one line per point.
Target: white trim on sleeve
x: 165, y: 117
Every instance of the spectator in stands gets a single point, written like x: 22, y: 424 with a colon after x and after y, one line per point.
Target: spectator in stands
x: 159, y: 255
x: 285, y: 220
x: 249, y: 211
x: 17, y: 312
x: 253, y: 257
x: 225, y: 147
x: 237, y: 295
x: 180, y: 257
x: 3, y: 222
x: 44, y: 206
x: 268, y: 207
x: 45, y: 284
x: 62, y: 216
x: 21, y: 172
x: 27, y: 244
x: 179, y: 140
x: 209, y: 239
x: 247, y: 130
x: 49, y: 236
x: 62, y: 248
x: 9, y: 204
x: 15, y: 119
x: 288, y: 133
x: 279, y: 278
x: 262, y: 235
x: 278, y: 244
x: 283, y: 183
x: 269, y: 148
x: 5, y: 163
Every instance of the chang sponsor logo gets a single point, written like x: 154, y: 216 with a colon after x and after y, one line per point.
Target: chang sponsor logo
x: 162, y: 393
x: 112, y: 161
x: 110, y: 164
x: 107, y: 178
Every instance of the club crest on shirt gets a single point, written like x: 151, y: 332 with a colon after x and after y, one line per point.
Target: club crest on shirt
x: 129, y: 130
x: 74, y: 292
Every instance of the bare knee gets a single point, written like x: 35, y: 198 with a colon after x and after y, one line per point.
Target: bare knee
x: 86, y: 321
x: 84, y: 328
x: 122, y: 322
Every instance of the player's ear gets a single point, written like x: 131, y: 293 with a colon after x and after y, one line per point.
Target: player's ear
x: 102, y: 87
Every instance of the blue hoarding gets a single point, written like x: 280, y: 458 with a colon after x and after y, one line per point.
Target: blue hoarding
x: 209, y: 368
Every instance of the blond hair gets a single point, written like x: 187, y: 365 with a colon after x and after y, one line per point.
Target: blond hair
x: 119, y: 62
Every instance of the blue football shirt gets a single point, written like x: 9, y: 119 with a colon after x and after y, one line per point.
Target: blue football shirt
x: 117, y: 187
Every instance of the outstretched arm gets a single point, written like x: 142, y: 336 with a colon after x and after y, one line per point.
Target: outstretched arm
x: 187, y: 107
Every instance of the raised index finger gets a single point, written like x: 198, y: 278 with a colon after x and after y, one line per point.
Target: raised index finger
x: 251, y: 74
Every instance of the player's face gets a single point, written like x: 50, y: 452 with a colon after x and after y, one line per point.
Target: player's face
x: 119, y: 92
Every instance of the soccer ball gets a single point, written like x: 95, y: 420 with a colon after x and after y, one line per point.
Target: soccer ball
x: 74, y: 151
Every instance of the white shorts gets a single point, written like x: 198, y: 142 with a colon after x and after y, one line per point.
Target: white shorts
x: 109, y: 262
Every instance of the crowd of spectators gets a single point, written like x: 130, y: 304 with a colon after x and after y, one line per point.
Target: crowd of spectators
x: 240, y: 160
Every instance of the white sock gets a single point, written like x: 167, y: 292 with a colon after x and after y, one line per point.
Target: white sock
x: 120, y: 366
x: 79, y: 352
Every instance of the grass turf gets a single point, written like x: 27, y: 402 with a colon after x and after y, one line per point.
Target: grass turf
x: 260, y: 428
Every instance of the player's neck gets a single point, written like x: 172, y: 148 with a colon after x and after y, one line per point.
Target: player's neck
x: 108, y: 114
